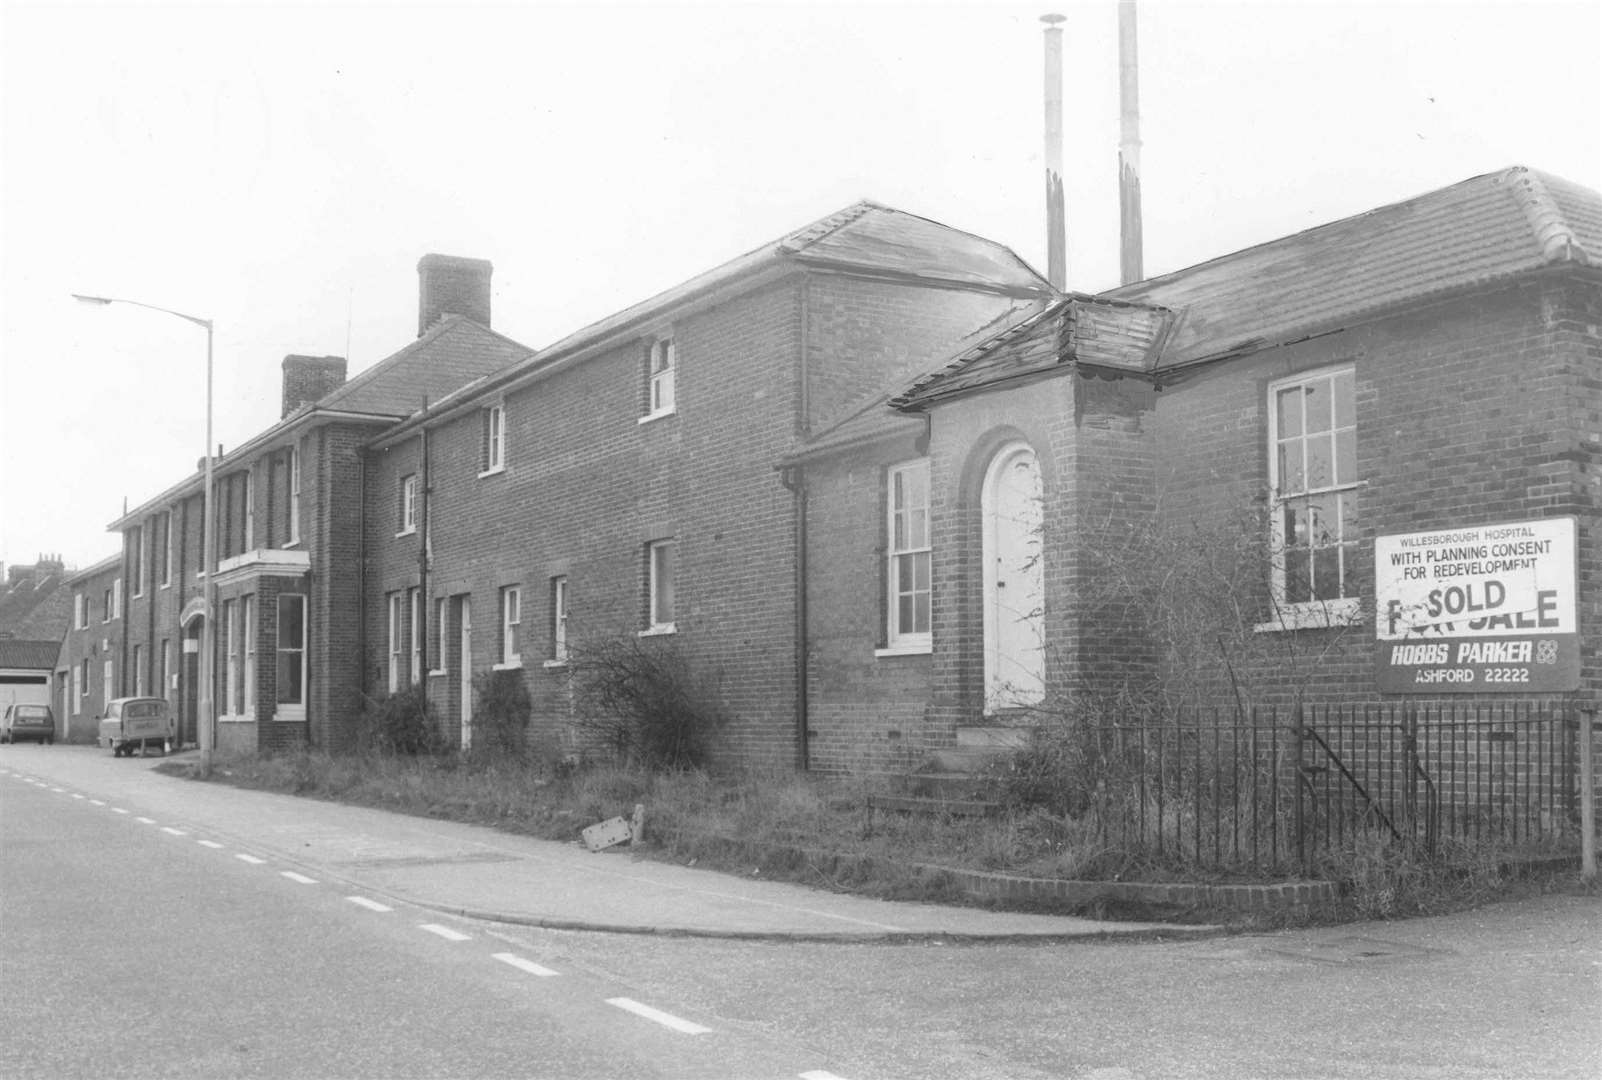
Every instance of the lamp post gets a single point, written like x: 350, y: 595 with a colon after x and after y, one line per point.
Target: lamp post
x: 207, y: 718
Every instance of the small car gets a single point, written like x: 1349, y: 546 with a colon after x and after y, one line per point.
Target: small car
x: 21, y: 722
x: 137, y: 723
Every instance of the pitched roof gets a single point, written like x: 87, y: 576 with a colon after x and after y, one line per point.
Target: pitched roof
x: 33, y: 604
x: 454, y: 351
x: 867, y: 419
x: 28, y: 655
x: 1090, y: 331
x: 1481, y: 230
x: 864, y: 238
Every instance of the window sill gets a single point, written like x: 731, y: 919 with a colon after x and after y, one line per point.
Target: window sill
x: 648, y: 417
x: 552, y: 664
x: 291, y: 543
x: 510, y: 665
x: 496, y: 471
x: 658, y: 631
x: 406, y: 532
x: 923, y: 649
x: 438, y: 673
x: 1319, y: 615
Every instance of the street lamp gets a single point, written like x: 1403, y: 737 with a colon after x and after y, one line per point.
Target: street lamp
x: 207, y: 718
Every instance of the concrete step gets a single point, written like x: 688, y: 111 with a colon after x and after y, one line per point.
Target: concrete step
x: 967, y: 759
x: 998, y: 736
x: 937, y: 784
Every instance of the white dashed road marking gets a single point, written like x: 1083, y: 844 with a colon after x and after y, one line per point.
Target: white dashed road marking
x: 145, y: 820
x: 524, y: 965
x: 302, y: 878
x: 118, y: 810
x: 444, y: 931
x: 172, y: 831
x: 370, y: 905
x: 819, y: 1074
x: 251, y: 859
x: 58, y: 790
x: 75, y: 795
x: 97, y: 802
x: 208, y: 843
x: 665, y: 1019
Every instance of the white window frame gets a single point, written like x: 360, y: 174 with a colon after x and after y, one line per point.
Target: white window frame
x: 442, y: 611
x: 80, y: 611
x: 661, y: 586
x: 291, y: 710
x: 558, y: 621
x: 396, y: 642
x: 230, y: 614
x: 247, y: 623
x: 493, y: 439
x: 250, y: 509
x: 107, y: 683
x: 408, y: 505
x: 906, y: 523
x: 82, y: 681
x: 294, y: 497
x: 1340, y: 610
x: 414, y: 607
x: 661, y: 378
x: 166, y: 667
x: 511, y: 627
x: 139, y: 670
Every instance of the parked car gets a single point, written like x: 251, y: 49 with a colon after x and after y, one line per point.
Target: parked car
x: 137, y: 723
x: 21, y: 722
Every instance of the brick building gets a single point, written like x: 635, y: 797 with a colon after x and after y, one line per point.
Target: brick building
x: 623, y: 483
x: 289, y: 534
x: 89, y: 667
x: 887, y: 491
x: 1433, y: 365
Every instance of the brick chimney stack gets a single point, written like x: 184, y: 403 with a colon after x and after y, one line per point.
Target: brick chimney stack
x: 310, y: 378
x: 452, y: 285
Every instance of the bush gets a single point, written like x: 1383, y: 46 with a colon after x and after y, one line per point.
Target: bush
x: 639, y: 700
x: 501, y: 714
x: 400, y: 723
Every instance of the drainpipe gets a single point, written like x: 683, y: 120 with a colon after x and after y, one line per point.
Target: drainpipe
x: 422, y: 552
x: 794, y: 480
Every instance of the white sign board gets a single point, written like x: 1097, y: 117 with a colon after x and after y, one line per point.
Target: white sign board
x: 1483, y: 609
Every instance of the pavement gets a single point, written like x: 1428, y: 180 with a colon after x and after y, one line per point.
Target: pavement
x: 483, y: 873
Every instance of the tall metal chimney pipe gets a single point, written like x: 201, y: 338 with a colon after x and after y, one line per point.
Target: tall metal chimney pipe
x: 1056, y: 214
x: 1131, y: 260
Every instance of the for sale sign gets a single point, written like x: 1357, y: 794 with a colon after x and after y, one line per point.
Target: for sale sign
x: 1486, y: 609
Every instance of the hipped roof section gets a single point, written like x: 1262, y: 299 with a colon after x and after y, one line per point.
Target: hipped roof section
x: 454, y: 351
x: 864, y: 238
x: 1484, y: 230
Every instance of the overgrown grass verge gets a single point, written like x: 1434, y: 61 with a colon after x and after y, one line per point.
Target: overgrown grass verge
x: 818, y: 831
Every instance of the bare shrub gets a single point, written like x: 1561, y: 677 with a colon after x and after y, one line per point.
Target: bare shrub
x: 399, y: 723
x: 640, y: 700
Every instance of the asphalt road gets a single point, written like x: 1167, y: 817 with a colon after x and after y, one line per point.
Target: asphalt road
x: 237, y: 969
x: 130, y: 948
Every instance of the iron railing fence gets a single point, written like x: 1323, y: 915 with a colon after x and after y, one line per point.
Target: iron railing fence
x: 1280, y: 790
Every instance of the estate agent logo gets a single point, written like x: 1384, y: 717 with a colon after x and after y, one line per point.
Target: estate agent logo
x: 1487, y: 609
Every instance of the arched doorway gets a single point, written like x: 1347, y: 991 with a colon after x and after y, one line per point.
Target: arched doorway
x: 1012, y: 506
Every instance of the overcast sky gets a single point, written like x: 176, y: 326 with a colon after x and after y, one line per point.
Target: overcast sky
x: 281, y: 169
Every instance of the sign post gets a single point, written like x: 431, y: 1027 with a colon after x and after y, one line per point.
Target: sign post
x: 1487, y: 609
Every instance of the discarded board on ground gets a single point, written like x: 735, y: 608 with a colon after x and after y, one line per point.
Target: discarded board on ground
x: 608, y: 833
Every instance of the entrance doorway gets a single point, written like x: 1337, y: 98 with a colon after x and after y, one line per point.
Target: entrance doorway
x: 1012, y: 507
x: 466, y: 673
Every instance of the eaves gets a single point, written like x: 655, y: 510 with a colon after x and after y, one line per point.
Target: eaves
x: 276, y: 436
